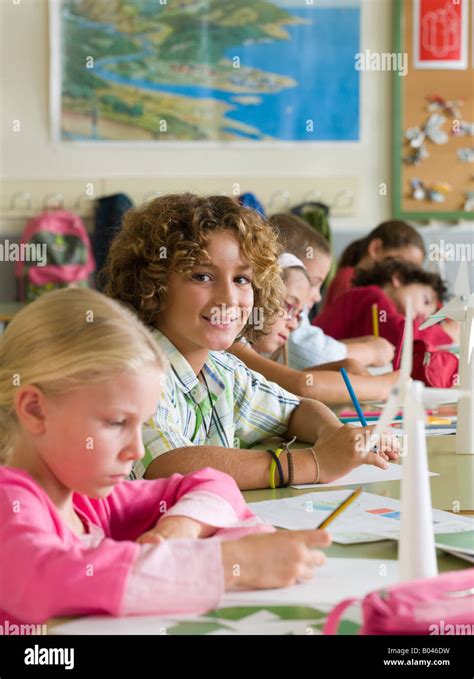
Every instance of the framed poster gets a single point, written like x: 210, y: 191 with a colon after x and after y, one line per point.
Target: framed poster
x: 433, y: 152
x: 440, y: 34
x: 204, y: 70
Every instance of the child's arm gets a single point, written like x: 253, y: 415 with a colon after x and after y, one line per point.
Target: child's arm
x: 199, y: 504
x: 47, y: 572
x: 338, y: 450
x: 370, y: 350
x: 172, y: 527
x: 351, y: 365
x: 326, y: 385
x: 261, y: 410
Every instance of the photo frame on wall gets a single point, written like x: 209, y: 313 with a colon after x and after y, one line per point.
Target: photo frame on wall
x: 440, y: 34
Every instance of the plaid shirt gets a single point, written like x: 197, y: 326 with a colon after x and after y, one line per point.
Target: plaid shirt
x: 246, y: 408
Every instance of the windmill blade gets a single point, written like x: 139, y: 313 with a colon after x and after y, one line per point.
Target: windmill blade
x: 389, y: 412
x: 407, y: 351
x: 433, y: 319
x: 454, y: 309
x: 461, y: 286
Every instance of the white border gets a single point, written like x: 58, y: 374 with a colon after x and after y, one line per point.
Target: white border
x: 460, y: 64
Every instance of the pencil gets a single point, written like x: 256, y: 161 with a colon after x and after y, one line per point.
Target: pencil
x: 354, y: 400
x: 335, y: 513
x: 375, y: 319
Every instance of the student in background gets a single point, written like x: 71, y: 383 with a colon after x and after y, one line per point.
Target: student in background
x: 393, y: 238
x: 78, y: 376
x: 269, y: 357
x: 388, y: 284
x: 203, y: 271
x: 309, y: 346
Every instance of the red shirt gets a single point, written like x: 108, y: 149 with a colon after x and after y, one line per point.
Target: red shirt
x: 350, y: 315
x: 341, y: 283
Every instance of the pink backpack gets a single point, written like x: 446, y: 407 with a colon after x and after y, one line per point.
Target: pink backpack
x: 57, y: 253
x: 443, y: 605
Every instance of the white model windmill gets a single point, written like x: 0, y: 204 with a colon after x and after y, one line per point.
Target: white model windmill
x: 417, y: 555
x: 461, y: 308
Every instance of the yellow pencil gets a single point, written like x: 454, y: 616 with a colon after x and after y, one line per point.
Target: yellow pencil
x: 349, y: 500
x: 375, y: 319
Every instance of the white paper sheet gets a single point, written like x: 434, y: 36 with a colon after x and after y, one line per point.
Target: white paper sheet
x: 336, y: 580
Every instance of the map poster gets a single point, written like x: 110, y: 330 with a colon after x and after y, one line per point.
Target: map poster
x: 204, y: 70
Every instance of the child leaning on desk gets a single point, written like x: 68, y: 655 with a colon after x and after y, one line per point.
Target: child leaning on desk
x: 79, y: 375
x: 202, y: 272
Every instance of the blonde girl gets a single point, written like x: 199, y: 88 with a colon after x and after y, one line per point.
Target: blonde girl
x: 79, y: 375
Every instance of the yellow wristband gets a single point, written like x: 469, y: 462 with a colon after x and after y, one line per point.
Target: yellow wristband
x: 278, y: 452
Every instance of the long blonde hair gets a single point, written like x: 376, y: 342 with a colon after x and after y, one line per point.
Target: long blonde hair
x: 66, y: 339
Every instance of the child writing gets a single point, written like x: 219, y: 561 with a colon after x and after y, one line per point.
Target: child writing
x: 309, y: 346
x: 388, y: 284
x: 268, y: 356
x: 393, y: 238
x: 78, y: 376
x: 203, y: 271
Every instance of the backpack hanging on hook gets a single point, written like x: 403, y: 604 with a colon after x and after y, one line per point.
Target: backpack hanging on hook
x: 57, y: 254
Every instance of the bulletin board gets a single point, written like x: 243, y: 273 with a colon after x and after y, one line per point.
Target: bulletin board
x: 442, y: 171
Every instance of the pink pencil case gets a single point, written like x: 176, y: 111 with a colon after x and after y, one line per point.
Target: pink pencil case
x: 435, y: 606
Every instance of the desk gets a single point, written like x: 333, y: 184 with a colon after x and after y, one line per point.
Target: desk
x: 455, y: 484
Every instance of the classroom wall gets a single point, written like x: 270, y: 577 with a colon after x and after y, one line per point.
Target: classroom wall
x: 30, y: 161
x: 31, y: 154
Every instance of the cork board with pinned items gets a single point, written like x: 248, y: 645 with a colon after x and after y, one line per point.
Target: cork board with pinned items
x: 433, y: 124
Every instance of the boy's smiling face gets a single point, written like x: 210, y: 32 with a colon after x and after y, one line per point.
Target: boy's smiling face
x: 207, y: 309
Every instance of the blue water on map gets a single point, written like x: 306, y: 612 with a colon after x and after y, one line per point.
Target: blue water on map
x: 320, y: 57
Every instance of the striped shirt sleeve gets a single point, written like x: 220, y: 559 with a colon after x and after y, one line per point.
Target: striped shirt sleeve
x: 261, y: 408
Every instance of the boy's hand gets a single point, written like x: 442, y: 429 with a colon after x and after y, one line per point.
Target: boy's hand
x: 172, y: 527
x: 344, y: 451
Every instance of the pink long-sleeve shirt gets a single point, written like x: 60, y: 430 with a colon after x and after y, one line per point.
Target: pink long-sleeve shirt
x: 47, y: 570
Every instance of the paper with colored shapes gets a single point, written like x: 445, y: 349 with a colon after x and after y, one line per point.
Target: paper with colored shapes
x: 369, y: 518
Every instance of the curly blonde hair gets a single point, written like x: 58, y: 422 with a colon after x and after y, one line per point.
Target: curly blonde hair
x: 170, y: 233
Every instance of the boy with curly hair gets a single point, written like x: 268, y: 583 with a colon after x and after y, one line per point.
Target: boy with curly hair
x: 203, y: 271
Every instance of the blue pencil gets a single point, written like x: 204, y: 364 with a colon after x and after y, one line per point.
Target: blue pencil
x: 354, y: 400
